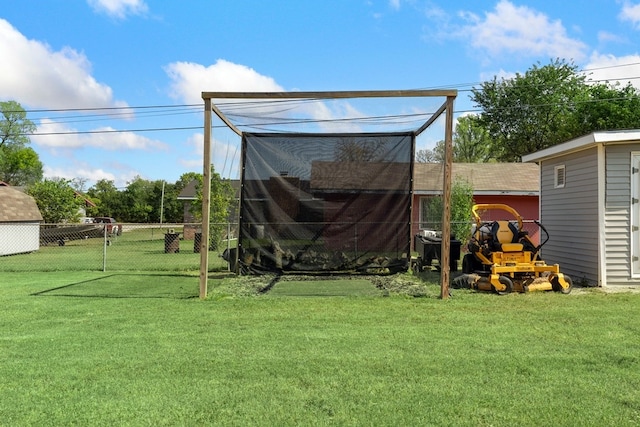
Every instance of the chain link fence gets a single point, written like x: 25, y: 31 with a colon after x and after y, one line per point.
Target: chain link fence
x: 110, y: 247
x: 125, y: 247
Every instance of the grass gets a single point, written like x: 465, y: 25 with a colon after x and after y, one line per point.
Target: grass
x: 138, y: 349
x: 141, y: 249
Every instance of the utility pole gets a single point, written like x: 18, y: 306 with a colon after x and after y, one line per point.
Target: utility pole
x: 162, y: 204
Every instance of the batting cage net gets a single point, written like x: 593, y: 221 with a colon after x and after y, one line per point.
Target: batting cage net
x: 325, y: 202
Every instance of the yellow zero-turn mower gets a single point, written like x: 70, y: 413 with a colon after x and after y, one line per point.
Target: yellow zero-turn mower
x: 503, y: 258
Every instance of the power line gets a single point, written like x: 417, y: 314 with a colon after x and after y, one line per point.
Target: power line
x: 284, y: 105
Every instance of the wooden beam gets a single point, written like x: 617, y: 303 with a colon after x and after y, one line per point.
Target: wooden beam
x: 331, y: 94
x: 225, y: 119
x: 432, y: 119
x: 445, y: 248
x: 206, y: 200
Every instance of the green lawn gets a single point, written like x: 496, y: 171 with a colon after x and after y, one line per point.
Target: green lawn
x: 141, y: 249
x: 126, y: 348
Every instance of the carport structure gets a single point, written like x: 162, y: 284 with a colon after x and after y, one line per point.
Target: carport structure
x: 312, y: 200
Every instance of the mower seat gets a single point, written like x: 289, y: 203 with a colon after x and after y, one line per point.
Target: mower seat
x: 505, y: 237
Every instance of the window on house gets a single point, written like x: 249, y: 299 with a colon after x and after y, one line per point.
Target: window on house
x: 559, y: 177
x: 430, y: 213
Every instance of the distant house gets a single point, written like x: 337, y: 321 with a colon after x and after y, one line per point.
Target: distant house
x: 589, y: 202
x: 514, y: 184
x: 188, y: 195
x: 380, y: 210
x: 20, y: 221
x: 86, y: 203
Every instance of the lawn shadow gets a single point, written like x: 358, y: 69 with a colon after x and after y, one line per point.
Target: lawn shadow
x: 129, y: 285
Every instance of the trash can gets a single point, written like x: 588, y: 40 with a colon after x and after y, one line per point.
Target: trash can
x: 197, y: 240
x: 171, y: 243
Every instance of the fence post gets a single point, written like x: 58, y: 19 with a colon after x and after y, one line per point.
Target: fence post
x: 104, y: 249
x: 229, y: 246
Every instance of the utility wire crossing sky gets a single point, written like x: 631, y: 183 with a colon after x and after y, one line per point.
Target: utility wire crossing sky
x: 114, y: 86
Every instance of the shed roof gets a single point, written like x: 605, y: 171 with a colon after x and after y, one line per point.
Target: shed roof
x: 485, y: 178
x: 584, y: 142
x: 16, y: 206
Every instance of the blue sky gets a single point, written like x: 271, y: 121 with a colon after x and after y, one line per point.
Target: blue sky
x: 114, y: 86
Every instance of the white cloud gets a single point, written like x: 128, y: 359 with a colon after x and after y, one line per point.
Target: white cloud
x: 85, y: 172
x: 520, y: 30
x: 500, y: 74
x: 630, y: 12
x: 607, y: 37
x: 224, y: 156
x: 614, y: 68
x: 395, y: 4
x: 119, y: 9
x: 33, y: 74
x: 63, y: 138
x: 189, y: 80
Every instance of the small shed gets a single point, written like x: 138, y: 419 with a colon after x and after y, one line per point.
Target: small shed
x: 19, y: 222
x: 589, y: 192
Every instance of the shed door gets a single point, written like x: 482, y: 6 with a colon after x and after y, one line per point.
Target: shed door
x: 635, y: 215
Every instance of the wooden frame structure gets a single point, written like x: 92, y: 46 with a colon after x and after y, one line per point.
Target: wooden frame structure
x: 446, y: 108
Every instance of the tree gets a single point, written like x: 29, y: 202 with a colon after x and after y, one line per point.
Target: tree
x: 461, y: 204
x: 107, y: 198
x: 359, y: 150
x: 56, y: 200
x: 430, y: 156
x: 471, y: 142
x: 19, y: 164
x: 608, y: 107
x: 138, y: 201
x: 222, y: 197
x: 532, y: 111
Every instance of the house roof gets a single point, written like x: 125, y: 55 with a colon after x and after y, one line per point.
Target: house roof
x: 16, y: 206
x: 584, y: 142
x: 189, y: 192
x: 485, y: 178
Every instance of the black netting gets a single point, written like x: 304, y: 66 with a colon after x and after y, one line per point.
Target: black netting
x: 325, y: 202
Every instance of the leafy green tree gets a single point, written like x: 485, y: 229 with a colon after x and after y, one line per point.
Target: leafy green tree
x: 531, y: 111
x: 548, y: 105
x: 471, y: 144
x: 107, y: 198
x: 19, y: 164
x: 461, y: 204
x: 138, y: 203
x: 608, y: 107
x: 221, y: 200
x: 56, y: 200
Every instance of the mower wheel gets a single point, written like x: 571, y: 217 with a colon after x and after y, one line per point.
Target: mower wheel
x: 467, y: 264
x: 557, y: 287
x: 508, y: 285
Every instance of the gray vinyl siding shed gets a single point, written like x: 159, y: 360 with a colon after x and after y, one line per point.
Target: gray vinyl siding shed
x: 592, y: 214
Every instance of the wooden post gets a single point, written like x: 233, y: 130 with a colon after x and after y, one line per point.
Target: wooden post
x: 206, y: 200
x: 445, y: 248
